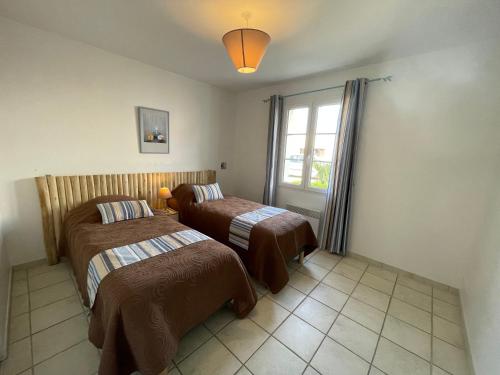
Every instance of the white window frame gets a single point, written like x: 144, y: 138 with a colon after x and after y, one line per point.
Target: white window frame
x: 313, y: 102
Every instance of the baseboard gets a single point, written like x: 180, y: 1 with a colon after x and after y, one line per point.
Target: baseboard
x: 4, y: 351
x: 403, y: 272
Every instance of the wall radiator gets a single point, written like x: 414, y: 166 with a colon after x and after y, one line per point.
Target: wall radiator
x: 313, y: 216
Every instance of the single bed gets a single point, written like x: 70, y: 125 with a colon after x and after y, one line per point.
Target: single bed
x: 272, y: 243
x: 142, y: 310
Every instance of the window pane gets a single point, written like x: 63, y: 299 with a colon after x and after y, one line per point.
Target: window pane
x: 320, y: 173
x: 293, y: 172
x: 295, y: 145
x: 327, y: 118
x: 297, y: 121
x: 323, y: 147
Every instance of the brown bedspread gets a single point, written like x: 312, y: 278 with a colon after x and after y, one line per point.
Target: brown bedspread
x: 142, y: 310
x: 272, y: 243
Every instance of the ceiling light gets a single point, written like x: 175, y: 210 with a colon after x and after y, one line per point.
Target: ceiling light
x: 246, y: 47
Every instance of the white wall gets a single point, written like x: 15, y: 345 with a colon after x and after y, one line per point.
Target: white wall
x: 481, y: 291
x: 4, y: 294
x: 426, y: 155
x: 69, y: 108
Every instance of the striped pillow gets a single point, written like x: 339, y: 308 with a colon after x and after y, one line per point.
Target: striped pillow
x: 207, y: 192
x: 123, y: 210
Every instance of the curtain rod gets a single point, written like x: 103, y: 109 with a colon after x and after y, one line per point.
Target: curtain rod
x: 385, y: 79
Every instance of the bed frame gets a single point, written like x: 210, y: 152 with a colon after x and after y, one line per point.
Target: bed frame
x: 59, y: 194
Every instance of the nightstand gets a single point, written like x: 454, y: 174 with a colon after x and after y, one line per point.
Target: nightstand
x: 173, y: 214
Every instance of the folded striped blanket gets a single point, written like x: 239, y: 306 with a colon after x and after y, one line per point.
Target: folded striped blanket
x: 109, y: 260
x: 241, y: 226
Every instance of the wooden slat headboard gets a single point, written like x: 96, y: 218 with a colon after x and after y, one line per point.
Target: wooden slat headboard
x: 59, y: 194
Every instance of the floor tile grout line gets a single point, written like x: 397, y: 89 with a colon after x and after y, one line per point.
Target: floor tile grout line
x: 9, y: 327
x: 59, y: 352
x: 431, y: 313
x: 55, y: 324
x: 289, y: 314
x: 407, y: 350
x: 21, y: 313
x: 283, y: 321
x: 375, y: 289
x: 272, y: 334
x: 383, y: 323
x: 432, y: 304
x: 349, y: 296
x: 31, y: 334
x: 412, y: 304
x: 442, y: 369
x: 47, y: 286
x: 336, y: 318
x: 61, y: 321
x: 333, y: 323
x: 448, y: 321
x: 230, y: 351
x: 66, y: 268
x: 57, y: 300
x: 374, y: 274
x: 295, y: 308
x: 421, y: 330
x: 369, y: 304
x: 443, y: 301
x: 409, y: 323
x: 196, y: 348
x: 30, y: 325
x: 432, y: 330
x: 221, y: 342
x: 309, y: 324
x: 338, y: 313
x: 372, y: 366
x: 256, y: 350
x: 430, y: 362
x: 52, y: 284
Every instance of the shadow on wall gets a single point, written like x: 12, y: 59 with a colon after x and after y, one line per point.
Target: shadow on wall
x: 23, y: 235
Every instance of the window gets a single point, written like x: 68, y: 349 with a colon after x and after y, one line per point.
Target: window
x: 309, y: 144
x: 295, y: 145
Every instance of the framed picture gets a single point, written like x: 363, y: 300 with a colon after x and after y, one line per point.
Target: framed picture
x: 154, y: 134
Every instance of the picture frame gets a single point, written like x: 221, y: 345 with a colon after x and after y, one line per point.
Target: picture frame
x: 154, y: 130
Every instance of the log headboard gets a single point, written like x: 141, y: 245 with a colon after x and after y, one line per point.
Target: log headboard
x: 59, y: 194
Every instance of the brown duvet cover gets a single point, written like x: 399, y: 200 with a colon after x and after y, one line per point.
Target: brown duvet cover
x: 272, y: 243
x: 142, y: 310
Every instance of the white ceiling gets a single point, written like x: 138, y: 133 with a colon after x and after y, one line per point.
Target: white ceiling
x: 308, y: 36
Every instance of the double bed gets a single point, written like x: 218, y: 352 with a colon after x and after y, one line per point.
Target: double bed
x: 272, y: 243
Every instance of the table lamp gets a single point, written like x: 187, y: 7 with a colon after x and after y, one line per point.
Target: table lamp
x: 165, y: 194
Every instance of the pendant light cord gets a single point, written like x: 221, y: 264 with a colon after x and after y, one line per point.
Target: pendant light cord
x: 246, y: 16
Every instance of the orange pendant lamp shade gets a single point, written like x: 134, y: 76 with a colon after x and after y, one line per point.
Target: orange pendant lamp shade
x: 246, y: 47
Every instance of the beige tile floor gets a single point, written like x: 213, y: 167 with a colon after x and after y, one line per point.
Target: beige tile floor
x: 336, y: 316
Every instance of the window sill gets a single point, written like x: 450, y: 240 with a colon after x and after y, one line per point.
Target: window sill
x: 298, y: 188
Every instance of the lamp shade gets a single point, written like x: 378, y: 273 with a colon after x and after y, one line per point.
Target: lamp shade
x: 164, y: 193
x: 246, y: 47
